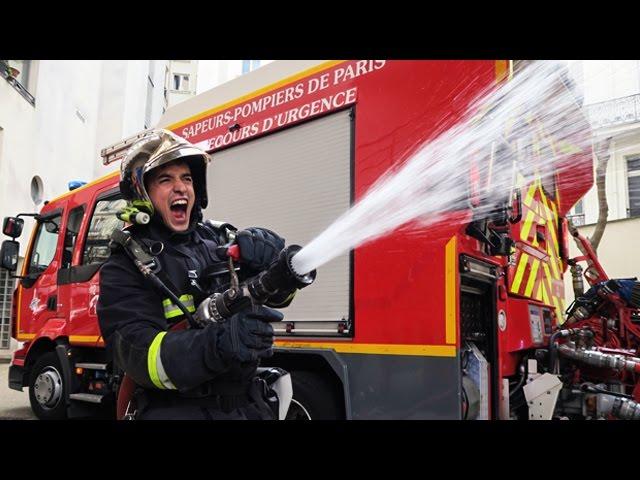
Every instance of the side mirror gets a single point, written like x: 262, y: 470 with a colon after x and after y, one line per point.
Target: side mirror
x: 9, y: 255
x: 12, y: 226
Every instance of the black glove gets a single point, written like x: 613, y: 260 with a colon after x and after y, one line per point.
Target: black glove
x: 247, y: 335
x: 259, y: 247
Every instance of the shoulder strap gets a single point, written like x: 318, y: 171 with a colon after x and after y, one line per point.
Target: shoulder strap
x: 223, y: 232
x: 142, y: 259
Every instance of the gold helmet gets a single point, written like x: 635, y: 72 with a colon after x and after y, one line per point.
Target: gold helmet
x: 155, y: 149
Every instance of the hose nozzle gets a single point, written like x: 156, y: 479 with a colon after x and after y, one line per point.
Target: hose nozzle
x: 281, y: 276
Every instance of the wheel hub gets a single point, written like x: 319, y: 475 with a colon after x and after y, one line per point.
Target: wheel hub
x: 48, y: 388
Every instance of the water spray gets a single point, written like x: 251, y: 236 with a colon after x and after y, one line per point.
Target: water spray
x: 523, y: 126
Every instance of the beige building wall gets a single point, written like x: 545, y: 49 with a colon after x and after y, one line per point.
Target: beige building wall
x: 618, y: 252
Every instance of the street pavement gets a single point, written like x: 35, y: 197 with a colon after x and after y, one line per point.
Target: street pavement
x: 14, y: 405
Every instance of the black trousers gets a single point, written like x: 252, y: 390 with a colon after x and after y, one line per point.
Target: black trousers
x: 192, y: 412
x: 170, y: 405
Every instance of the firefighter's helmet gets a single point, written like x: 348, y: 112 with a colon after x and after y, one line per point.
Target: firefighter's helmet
x: 155, y: 149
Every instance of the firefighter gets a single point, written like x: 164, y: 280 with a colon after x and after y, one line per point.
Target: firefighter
x: 205, y: 373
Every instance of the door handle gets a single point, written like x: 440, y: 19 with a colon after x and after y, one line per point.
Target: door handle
x: 52, y: 303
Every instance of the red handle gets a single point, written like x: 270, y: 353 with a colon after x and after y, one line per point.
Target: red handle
x: 234, y: 252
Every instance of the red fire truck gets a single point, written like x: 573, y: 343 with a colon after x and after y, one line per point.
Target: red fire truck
x: 435, y: 323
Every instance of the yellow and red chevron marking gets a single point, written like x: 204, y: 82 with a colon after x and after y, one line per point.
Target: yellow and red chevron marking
x: 537, y: 273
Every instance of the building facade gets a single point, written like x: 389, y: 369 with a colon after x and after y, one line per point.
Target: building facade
x: 612, y: 103
x: 181, y: 81
x: 212, y: 73
x: 55, y: 117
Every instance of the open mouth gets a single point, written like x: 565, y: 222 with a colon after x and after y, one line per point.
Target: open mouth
x: 179, y: 210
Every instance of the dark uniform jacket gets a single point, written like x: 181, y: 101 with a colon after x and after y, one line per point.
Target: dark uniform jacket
x: 174, y: 367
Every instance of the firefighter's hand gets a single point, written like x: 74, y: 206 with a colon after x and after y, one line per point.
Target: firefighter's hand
x: 248, y: 336
x: 259, y: 247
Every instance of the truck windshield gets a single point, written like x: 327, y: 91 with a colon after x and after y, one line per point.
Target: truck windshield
x: 45, y: 245
x: 103, y: 223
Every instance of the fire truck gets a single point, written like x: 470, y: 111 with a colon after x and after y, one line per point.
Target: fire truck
x: 459, y: 320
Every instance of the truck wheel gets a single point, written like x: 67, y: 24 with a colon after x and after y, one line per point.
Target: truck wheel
x: 47, y: 389
x: 313, y: 398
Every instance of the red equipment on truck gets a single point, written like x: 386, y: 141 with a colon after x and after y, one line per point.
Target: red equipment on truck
x: 457, y: 320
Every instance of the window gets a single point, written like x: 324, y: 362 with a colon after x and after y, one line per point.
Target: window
x: 45, y: 245
x: 22, y: 67
x: 103, y: 223
x: 181, y: 82
x: 577, y: 217
x: 249, y: 65
x: 633, y: 178
x: 71, y: 235
x: 18, y: 73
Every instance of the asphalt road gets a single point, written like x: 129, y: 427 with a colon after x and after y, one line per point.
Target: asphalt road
x: 14, y: 405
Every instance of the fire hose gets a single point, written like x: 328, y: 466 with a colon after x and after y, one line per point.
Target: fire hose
x: 615, y: 404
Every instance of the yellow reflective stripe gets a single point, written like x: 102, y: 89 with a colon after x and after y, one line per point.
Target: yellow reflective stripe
x: 530, y: 193
x: 526, y: 228
x: 515, y: 286
x: 545, y: 297
x: 450, y: 291
x: 559, y: 314
x: 554, y: 267
x: 552, y: 226
x: 535, y: 243
x: 538, y: 294
x: 547, y: 275
x: 376, y: 349
x: 543, y: 197
x: 532, y: 277
x: 171, y: 310
x: 172, y: 313
x: 154, y: 351
x: 501, y: 70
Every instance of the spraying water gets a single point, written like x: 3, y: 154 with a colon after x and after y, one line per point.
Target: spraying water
x: 505, y: 127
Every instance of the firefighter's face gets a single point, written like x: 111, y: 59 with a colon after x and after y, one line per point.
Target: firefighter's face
x: 172, y: 194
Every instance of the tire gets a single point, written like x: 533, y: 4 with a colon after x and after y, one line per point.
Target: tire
x: 314, y: 398
x: 47, y: 389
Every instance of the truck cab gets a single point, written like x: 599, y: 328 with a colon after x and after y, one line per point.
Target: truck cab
x: 54, y: 304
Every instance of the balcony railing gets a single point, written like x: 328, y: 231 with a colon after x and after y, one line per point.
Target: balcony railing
x: 16, y: 84
x: 614, y: 112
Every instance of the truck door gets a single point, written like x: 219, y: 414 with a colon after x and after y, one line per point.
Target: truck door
x: 93, y: 251
x: 67, y: 265
x: 39, y: 296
